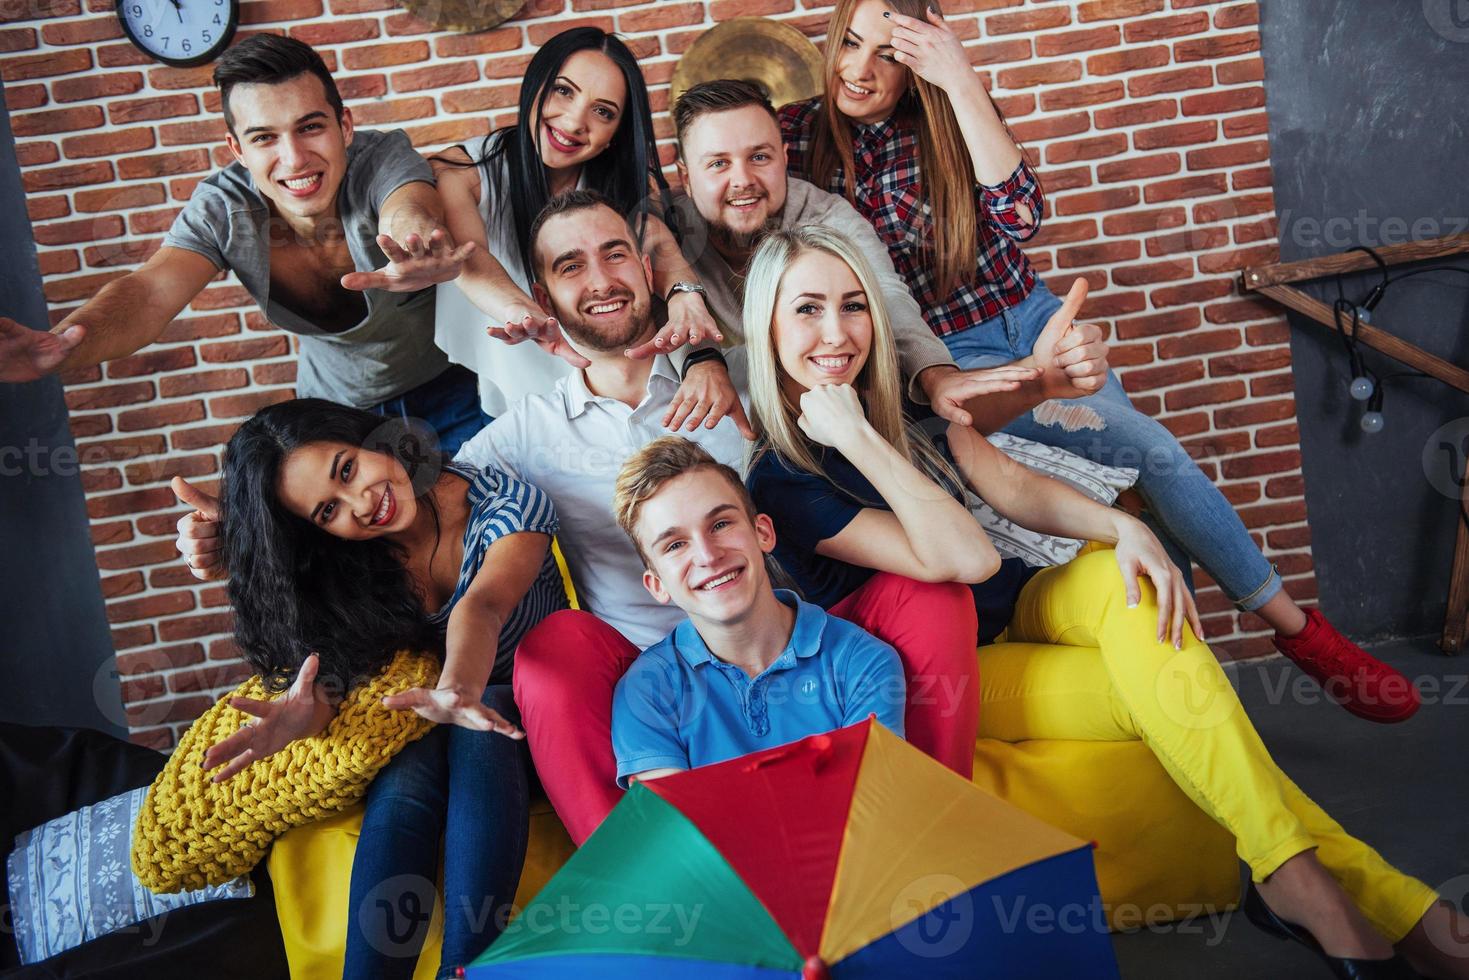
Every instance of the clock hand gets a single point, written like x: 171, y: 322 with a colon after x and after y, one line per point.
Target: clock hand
x: 178, y: 8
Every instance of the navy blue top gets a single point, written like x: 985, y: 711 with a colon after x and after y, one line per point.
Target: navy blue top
x: 501, y: 505
x: 808, y: 509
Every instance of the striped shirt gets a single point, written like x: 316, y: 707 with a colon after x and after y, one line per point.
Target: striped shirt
x: 501, y: 505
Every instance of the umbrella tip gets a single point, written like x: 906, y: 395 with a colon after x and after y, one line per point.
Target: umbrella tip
x: 815, y: 969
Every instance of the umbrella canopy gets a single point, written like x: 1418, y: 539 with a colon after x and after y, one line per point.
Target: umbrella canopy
x: 849, y: 855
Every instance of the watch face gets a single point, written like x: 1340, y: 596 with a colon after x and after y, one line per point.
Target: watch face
x: 179, y: 32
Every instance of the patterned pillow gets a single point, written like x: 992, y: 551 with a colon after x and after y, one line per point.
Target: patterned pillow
x: 1101, y: 483
x: 70, y: 879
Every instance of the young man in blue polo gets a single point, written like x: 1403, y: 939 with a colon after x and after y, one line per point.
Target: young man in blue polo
x: 752, y: 667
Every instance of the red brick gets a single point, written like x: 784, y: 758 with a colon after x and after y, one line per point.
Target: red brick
x: 1117, y: 9
x: 160, y: 416
x: 269, y: 11
x: 97, y: 481
x: 22, y: 67
x: 488, y: 42
x: 58, y: 263
x: 195, y: 382
x: 1092, y: 202
x: 200, y: 328
x: 1127, y: 355
x: 1193, y: 396
x: 1245, y: 180
x: 239, y: 406
x: 188, y: 628
x: 86, y: 31
x: 1133, y: 222
x: 152, y: 222
x: 1160, y: 28
x: 1264, y: 334
x: 275, y: 374
x: 1077, y: 96
x: 244, y: 350
x: 1063, y: 233
x: 118, y: 55
x: 1139, y: 168
x: 1070, y: 42
x: 1172, y: 190
x: 1112, y: 304
x: 722, y: 10
x: 1196, y: 292
x: 1278, y: 435
x: 1262, y: 464
x: 1163, y: 376
x: 377, y: 113
x: 209, y: 677
x: 1130, y: 59
x: 83, y: 426
x: 159, y: 470
x: 1254, y: 124
x: 1232, y: 155
x: 539, y: 34
x: 436, y: 76
x: 1087, y: 149
x: 19, y: 39
x: 163, y: 164
x: 129, y: 252
x: 96, y: 87
x: 1051, y: 73
x: 204, y: 437
x: 118, y: 198
x: 108, y: 144
x: 160, y: 659
x: 1028, y: 21
x: 132, y: 502
x: 108, y: 396
x: 185, y: 133
x: 659, y: 17
x: 150, y: 607
x: 18, y: 97
x: 46, y: 208
x: 480, y: 99
x: 385, y: 55
x: 1229, y: 100
x: 1052, y: 127
x: 336, y: 32
x: 1235, y: 72
x: 1237, y: 206
x: 1136, y: 113
x: 1141, y: 275
x: 1255, y: 413
x: 1217, y: 47
x: 1239, y: 259
x: 1182, y: 134
x: 1188, y: 240
x: 1153, y: 324
x: 220, y: 297
x: 341, y: 7
x: 112, y: 450
x: 56, y: 121
x: 1175, y: 80
x: 83, y: 230
x: 131, y: 636
x: 157, y: 107
x: 36, y: 154
x: 113, y: 533
x: 224, y: 648
x: 1101, y: 254
x: 1240, y: 311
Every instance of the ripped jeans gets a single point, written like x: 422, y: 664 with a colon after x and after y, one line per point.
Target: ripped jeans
x: 1191, y: 516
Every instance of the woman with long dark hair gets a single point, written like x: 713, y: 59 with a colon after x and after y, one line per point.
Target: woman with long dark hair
x: 909, y: 134
x: 1104, y: 647
x: 584, y: 123
x: 345, y: 544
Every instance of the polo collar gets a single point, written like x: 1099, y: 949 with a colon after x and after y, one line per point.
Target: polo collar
x: 805, y: 638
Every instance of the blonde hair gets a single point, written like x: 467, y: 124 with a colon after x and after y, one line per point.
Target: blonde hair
x: 946, y: 168
x: 879, y: 384
x: 649, y: 469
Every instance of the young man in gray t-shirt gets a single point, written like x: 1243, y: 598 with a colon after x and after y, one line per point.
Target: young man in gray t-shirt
x: 308, y: 204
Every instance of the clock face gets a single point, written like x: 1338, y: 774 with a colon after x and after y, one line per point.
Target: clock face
x: 179, y: 32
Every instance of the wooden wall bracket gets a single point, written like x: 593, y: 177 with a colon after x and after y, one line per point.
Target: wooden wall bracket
x: 1273, y: 281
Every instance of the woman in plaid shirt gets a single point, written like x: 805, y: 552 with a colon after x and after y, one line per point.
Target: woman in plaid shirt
x: 902, y: 103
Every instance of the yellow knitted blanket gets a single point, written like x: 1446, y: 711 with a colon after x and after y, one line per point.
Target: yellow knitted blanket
x: 193, y: 832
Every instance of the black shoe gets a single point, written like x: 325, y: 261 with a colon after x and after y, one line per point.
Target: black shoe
x: 1265, y: 918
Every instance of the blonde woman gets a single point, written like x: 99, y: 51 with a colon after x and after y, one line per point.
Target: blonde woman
x: 854, y: 487
x: 908, y: 133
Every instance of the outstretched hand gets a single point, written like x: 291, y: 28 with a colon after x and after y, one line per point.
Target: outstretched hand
x: 27, y: 355
x: 689, y: 322
x: 414, y: 264
x: 448, y: 706
x: 543, y: 331
x: 297, y: 714
x: 1071, y: 355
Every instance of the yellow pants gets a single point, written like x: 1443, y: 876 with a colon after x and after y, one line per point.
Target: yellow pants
x: 1108, y: 678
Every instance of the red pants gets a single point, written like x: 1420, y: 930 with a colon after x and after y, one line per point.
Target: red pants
x: 567, y: 668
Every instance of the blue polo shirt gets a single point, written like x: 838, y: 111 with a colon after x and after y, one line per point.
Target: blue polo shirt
x: 679, y: 706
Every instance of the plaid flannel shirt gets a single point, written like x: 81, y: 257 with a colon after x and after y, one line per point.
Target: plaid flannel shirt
x: 889, y: 194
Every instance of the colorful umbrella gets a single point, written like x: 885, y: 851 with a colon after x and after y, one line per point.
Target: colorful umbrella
x: 849, y: 855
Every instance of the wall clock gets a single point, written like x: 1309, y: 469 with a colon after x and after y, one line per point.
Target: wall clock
x: 179, y: 32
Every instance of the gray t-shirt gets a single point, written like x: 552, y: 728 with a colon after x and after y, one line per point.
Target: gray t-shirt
x: 392, y: 350
x: 807, y: 204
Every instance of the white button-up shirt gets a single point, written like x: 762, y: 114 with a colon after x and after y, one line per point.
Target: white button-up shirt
x: 571, y: 444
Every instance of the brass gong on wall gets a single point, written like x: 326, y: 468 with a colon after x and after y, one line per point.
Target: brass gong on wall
x: 757, y: 50
x: 465, y: 16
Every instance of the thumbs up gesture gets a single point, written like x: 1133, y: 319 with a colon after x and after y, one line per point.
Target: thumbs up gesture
x: 1072, y: 356
x: 199, y: 540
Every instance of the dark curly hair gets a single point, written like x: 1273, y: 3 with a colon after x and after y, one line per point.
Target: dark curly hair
x: 297, y: 590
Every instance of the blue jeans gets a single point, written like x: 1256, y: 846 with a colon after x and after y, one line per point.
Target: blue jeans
x: 449, y: 404
x: 468, y: 788
x: 1191, y: 515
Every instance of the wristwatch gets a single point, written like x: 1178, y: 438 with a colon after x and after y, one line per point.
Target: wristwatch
x: 686, y: 287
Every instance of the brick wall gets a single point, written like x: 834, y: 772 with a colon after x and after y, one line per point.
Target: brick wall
x: 1145, y: 117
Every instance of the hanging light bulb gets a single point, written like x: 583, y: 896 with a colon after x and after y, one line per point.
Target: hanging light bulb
x: 1362, y: 388
x: 1372, y: 422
